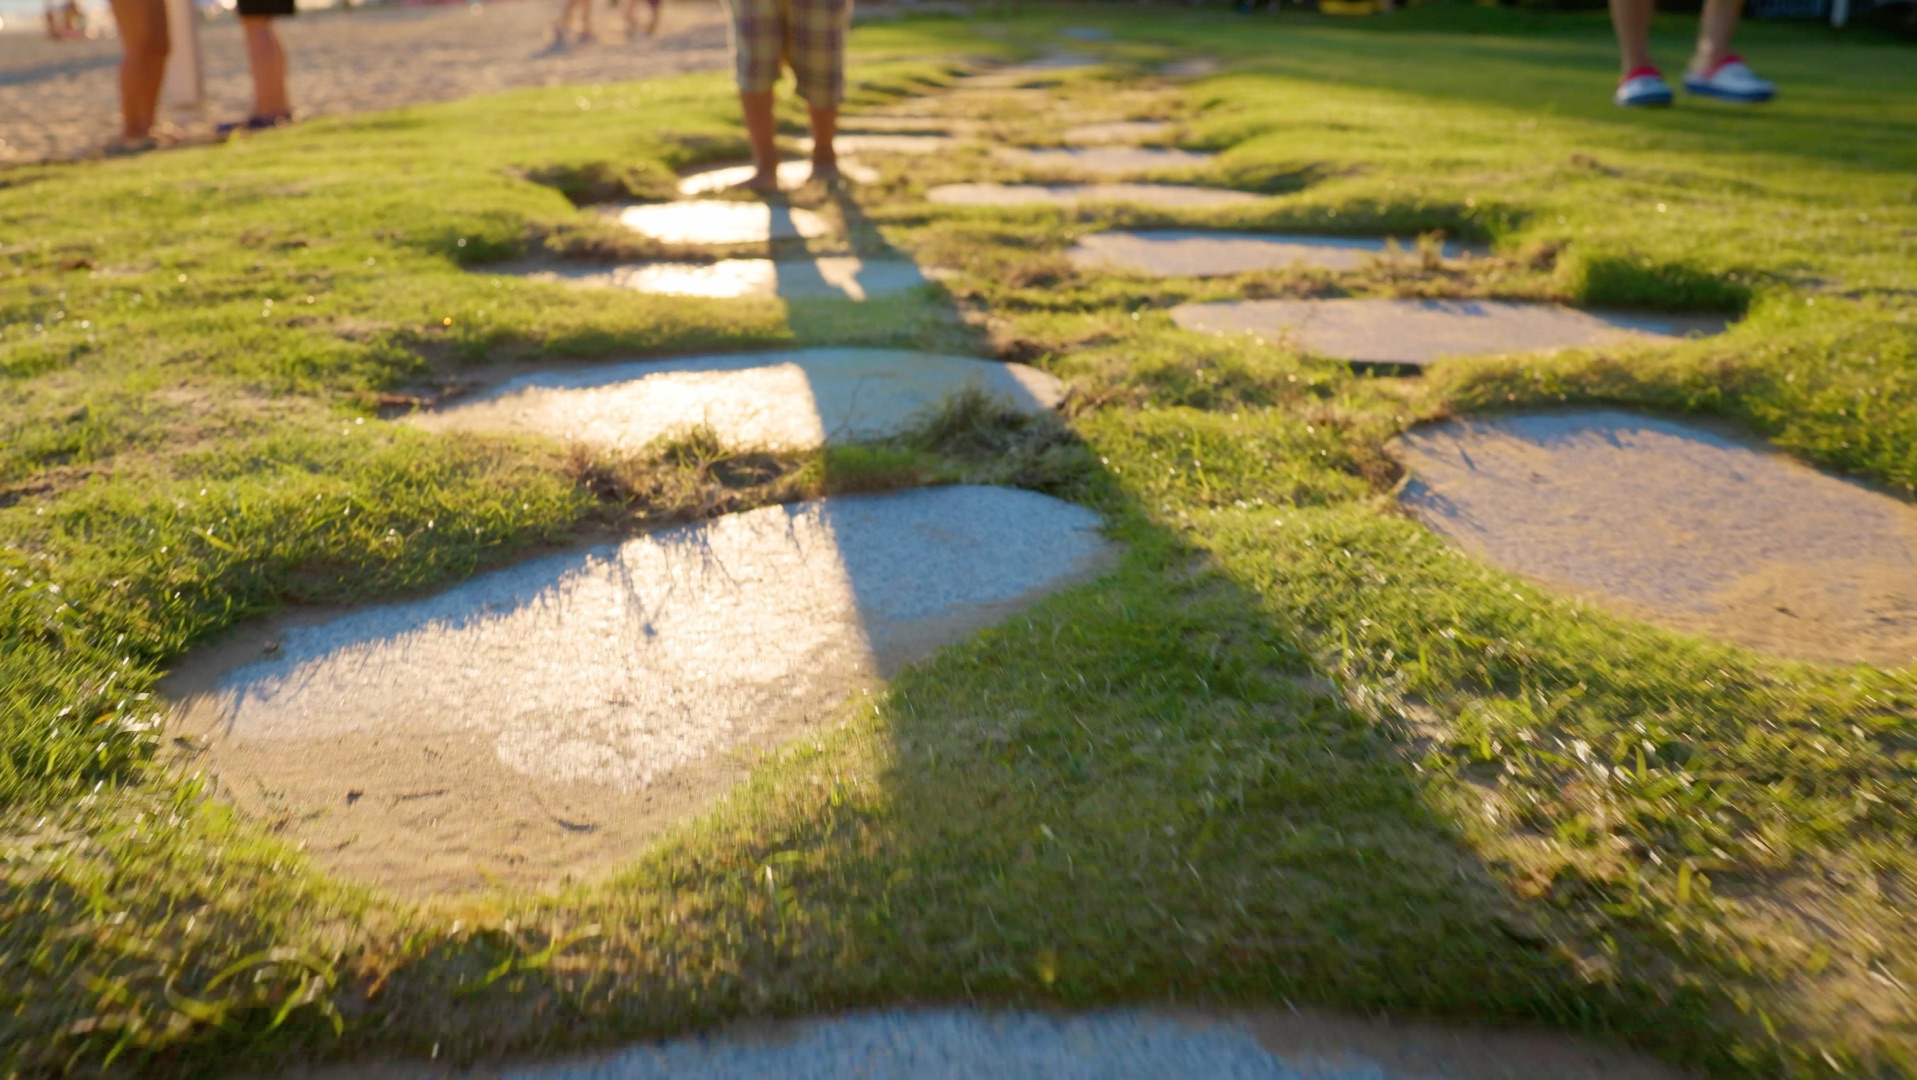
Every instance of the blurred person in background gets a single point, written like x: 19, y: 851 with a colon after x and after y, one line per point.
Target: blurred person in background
x: 632, y: 16
x: 266, y: 58
x: 567, y: 9
x: 1715, y: 71
x: 143, y: 47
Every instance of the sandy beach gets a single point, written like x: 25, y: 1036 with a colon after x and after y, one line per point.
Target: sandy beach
x: 58, y: 99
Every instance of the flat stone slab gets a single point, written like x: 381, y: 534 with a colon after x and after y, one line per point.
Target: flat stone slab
x: 1196, y: 253
x: 899, y: 125
x: 1412, y: 333
x: 886, y: 143
x: 1105, y: 160
x: 1168, y: 196
x: 716, y: 221
x: 1117, y: 131
x: 539, y: 722
x: 796, y: 399
x: 1697, y: 530
x: 791, y: 174
x: 1043, y: 69
x: 948, y: 1044
x: 1194, y: 68
x: 830, y: 277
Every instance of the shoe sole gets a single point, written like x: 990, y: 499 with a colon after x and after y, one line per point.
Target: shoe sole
x: 1726, y: 95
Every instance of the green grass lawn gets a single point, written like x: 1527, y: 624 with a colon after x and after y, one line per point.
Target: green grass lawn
x: 1293, y: 748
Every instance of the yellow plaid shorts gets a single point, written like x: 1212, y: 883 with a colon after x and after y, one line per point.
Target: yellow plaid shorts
x: 807, y: 35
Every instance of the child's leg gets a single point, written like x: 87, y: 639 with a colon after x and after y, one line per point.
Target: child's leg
x: 816, y: 47
x: 144, y: 41
x: 1632, y: 21
x: 758, y: 38
x: 267, y: 59
x: 1715, y: 28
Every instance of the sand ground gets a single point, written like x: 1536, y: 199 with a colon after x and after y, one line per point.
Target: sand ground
x: 58, y: 100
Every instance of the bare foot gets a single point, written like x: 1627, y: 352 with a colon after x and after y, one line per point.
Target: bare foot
x: 827, y: 172
x: 762, y: 183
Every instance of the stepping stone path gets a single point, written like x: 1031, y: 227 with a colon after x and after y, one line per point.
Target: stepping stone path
x: 791, y: 279
x: 717, y: 222
x: 786, y: 400
x: 539, y: 722
x: 1196, y: 253
x: 1117, y: 131
x: 1105, y: 160
x: 1166, y: 196
x: 951, y: 1043
x: 1413, y: 333
x: 1684, y: 526
x: 791, y: 175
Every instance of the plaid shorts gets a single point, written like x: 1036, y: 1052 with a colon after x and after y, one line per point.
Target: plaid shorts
x: 808, y: 35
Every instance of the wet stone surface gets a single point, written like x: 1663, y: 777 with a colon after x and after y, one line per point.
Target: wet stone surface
x: 1196, y: 253
x: 791, y: 174
x: 795, y: 399
x: 1171, y: 196
x: 1118, y: 131
x: 829, y: 277
x: 1694, y: 529
x: 538, y: 723
x: 714, y: 221
x: 1105, y: 160
x: 1412, y: 333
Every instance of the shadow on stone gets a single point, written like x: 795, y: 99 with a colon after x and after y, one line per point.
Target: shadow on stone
x: 537, y: 723
x: 796, y: 399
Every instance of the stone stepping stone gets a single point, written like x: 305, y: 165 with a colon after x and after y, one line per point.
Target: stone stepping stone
x: 791, y: 174
x: 1198, y: 253
x: 1166, y: 196
x: 1194, y: 68
x: 1105, y: 160
x: 1045, y: 68
x: 796, y: 399
x: 886, y: 143
x: 1243, y: 1044
x: 540, y: 722
x: 898, y: 125
x: 1086, y: 33
x: 719, y: 222
x: 1679, y: 524
x: 1413, y: 333
x: 830, y: 277
x: 1117, y: 131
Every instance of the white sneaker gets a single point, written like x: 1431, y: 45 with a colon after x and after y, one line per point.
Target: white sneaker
x: 1730, y: 79
x: 1642, y: 88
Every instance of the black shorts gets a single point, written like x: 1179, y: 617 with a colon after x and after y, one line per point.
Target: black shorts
x: 265, y: 9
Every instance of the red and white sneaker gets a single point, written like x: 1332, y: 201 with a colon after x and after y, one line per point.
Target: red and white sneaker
x: 1730, y: 79
x: 1642, y: 88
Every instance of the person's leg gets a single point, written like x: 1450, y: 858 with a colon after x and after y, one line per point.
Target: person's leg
x: 144, y: 44
x: 1715, y: 28
x: 758, y: 37
x: 267, y: 59
x: 816, y: 49
x: 1631, y: 19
